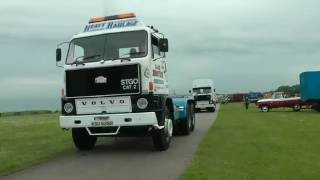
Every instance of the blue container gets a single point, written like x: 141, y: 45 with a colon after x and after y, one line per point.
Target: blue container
x: 310, y: 85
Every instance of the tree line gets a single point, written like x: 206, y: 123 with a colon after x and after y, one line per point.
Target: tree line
x: 289, y: 90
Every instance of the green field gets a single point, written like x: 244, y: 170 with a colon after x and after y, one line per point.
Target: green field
x: 280, y: 144
x: 30, y: 139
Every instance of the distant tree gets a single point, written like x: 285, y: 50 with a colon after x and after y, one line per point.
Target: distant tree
x: 296, y: 89
x: 289, y: 90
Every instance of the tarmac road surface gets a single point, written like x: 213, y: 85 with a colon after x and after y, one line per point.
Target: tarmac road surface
x: 123, y: 158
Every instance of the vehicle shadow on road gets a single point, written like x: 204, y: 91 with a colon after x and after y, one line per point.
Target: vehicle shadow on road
x: 204, y: 112
x: 120, y: 145
x: 286, y: 110
x: 142, y: 145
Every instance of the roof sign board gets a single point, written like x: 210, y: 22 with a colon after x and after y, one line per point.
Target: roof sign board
x: 111, y: 25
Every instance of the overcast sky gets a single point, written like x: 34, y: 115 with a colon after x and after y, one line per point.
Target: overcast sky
x: 244, y: 45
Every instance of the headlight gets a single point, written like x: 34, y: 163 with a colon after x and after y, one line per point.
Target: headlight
x: 181, y: 108
x: 68, y: 107
x: 142, y: 103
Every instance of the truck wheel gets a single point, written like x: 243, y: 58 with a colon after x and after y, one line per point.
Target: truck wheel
x: 296, y: 107
x: 212, y: 109
x: 264, y: 109
x: 82, y: 140
x: 316, y: 107
x: 162, y: 137
x: 193, y: 118
x: 186, y: 124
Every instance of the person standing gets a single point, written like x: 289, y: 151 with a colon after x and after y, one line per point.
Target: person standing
x: 246, y: 102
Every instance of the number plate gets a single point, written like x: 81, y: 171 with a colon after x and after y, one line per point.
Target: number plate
x: 102, y: 118
x: 102, y: 123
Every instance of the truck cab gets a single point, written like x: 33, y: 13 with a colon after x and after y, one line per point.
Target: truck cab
x: 253, y: 97
x: 115, y: 82
x: 204, y: 95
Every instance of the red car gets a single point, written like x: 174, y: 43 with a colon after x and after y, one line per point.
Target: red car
x: 278, y: 101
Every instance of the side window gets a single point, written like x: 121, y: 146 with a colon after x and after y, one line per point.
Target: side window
x: 155, y: 47
x: 78, y: 52
x: 75, y: 52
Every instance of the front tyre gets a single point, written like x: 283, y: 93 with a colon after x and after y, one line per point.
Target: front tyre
x: 296, y: 107
x: 82, y: 140
x: 212, y: 109
x: 162, y: 137
x: 264, y: 109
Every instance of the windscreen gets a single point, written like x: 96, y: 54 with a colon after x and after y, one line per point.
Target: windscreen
x: 108, y: 47
x: 202, y: 90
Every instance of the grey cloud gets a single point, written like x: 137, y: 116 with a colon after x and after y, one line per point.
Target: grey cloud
x: 248, y: 46
x: 243, y: 45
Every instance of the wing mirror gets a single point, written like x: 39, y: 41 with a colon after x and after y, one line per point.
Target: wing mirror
x: 163, y: 45
x: 58, y: 54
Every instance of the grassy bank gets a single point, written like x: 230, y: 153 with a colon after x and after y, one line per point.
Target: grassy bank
x: 26, y: 140
x: 249, y: 144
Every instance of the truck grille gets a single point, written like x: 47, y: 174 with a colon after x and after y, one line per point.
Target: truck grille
x: 202, y: 98
x: 114, y: 80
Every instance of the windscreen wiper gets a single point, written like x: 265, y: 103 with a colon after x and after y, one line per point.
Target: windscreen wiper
x: 77, y: 62
x: 91, y: 57
x: 122, y: 58
x: 127, y: 58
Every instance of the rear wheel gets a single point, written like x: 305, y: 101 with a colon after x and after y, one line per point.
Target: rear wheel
x: 212, y: 109
x: 193, y: 118
x: 296, y: 107
x: 264, y: 109
x: 316, y: 107
x: 162, y: 137
x: 187, y: 125
x: 82, y: 140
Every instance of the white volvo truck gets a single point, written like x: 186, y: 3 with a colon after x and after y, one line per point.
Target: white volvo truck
x: 115, y: 84
x: 204, y: 94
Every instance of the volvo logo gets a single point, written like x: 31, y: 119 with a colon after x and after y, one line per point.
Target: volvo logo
x: 103, y: 102
x: 100, y: 80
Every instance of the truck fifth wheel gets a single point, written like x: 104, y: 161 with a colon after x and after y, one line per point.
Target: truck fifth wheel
x: 115, y: 84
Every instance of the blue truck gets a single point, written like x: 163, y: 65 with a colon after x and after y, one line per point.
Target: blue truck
x: 184, y: 115
x: 310, y: 88
x: 254, y: 96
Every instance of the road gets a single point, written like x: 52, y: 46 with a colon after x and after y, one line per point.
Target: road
x: 123, y: 158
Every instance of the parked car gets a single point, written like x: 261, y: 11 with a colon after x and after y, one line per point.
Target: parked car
x: 278, y: 100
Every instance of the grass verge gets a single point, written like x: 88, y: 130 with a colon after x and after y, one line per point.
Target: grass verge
x: 30, y: 139
x: 248, y: 144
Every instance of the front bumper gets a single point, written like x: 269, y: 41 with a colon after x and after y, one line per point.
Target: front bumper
x: 204, y: 106
x: 118, y: 120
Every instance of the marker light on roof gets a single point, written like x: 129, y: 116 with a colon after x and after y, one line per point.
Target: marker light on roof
x: 109, y: 18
